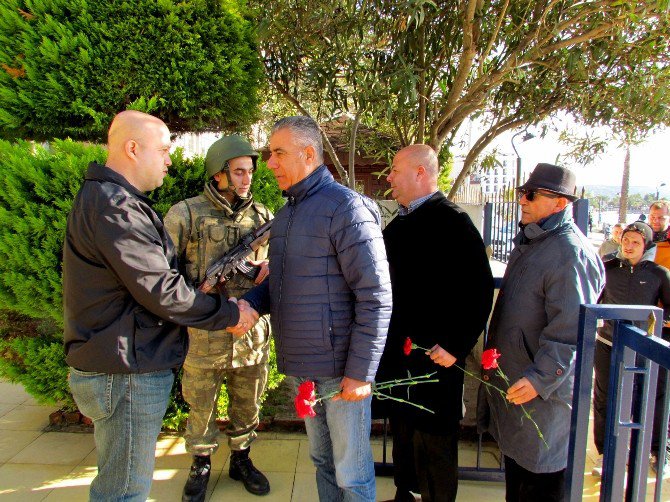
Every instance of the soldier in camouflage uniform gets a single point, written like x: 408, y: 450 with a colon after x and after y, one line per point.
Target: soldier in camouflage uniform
x: 204, y: 228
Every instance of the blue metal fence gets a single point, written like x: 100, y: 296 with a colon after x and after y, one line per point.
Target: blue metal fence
x: 635, y: 360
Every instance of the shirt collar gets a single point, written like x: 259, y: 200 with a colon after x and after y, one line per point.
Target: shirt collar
x: 402, y: 210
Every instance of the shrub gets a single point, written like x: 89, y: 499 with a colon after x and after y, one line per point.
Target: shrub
x: 38, y: 185
x: 67, y: 66
x: 35, y: 358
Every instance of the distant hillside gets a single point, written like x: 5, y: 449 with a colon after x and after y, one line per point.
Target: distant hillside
x: 611, y: 191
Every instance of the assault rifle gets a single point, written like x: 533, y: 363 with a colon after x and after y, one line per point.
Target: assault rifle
x: 235, y: 260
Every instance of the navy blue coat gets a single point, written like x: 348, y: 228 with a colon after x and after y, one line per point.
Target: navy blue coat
x: 329, y: 291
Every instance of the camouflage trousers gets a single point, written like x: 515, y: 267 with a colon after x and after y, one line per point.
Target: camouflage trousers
x: 201, y: 388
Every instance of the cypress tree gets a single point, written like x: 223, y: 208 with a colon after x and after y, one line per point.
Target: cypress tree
x: 68, y: 66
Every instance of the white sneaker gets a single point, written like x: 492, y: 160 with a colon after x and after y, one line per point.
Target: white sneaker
x: 598, y: 467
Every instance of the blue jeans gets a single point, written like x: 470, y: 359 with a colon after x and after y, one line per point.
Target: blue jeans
x: 127, y: 411
x: 339, y: 445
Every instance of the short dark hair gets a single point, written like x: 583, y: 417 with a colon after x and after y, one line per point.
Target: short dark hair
x: 306, y: 129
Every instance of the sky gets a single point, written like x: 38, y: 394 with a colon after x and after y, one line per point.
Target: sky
x: 650, y: 160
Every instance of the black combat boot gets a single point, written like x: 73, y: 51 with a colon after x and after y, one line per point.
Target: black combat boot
x: 196, y: 484
x: 242, y: 469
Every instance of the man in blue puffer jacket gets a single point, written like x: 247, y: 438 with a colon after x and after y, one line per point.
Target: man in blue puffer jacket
x: 329, y: 296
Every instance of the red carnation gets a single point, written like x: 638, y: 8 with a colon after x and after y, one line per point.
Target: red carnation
x: 307, y: 390
x: 306, y: 399
x: 489, y: 359
x: 304, y: 407
x: 407, y: 347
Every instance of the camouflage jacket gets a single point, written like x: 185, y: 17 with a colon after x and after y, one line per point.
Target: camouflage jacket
x: 203, y: 229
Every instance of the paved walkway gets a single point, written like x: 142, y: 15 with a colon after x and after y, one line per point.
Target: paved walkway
x: 37, y: 465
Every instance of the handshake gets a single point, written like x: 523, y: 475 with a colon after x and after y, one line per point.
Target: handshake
x: 248, y: 318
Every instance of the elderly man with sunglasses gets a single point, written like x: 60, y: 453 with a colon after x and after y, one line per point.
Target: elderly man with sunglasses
x: 552, y: 271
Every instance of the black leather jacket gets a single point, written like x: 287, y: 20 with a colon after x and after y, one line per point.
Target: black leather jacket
x: 123, y: 297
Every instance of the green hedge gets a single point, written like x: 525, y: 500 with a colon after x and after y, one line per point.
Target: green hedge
x: 68, y: 66
x: 37, y: 186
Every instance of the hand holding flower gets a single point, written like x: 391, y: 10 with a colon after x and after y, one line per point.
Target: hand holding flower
x: 353, y: 390
x: 440, y: 356
x: 521, y: 392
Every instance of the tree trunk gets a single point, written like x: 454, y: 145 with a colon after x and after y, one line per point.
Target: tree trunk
x: 352, y: 152
x: 623, y: 201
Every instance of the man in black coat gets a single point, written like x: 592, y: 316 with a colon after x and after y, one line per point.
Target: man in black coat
x: 442, y: 295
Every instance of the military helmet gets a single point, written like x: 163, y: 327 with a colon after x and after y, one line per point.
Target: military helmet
x: 225, y: 149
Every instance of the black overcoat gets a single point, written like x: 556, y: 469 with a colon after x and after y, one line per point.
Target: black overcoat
x: 442, y: 294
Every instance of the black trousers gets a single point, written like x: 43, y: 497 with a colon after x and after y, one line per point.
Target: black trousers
x: 424, y: 463
x: 602, y: 359
x: 521, y: 485
x: 601, y: 364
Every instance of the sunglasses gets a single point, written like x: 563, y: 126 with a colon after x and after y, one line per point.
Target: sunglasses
x: 531, y: 194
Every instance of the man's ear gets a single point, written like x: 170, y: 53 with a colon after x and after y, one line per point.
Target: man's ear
x: 221, y: 180
x: 130, y: 148
x: 420, y: 171
x: 561, y: 203
x: 310, y: 154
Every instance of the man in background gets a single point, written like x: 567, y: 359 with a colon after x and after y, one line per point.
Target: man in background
x: 611, y: 245
x: 659, y: 220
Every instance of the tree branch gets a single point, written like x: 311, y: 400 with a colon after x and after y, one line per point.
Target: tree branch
x: 494, y: 37
x: 481, y: 143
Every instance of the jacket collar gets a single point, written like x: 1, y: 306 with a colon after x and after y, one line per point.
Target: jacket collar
x: 534, y: 230
x: 222, y: 204
x: 312, y: 183
x: 97, y: 172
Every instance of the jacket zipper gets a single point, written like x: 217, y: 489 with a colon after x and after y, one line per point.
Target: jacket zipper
x: 291, y: 203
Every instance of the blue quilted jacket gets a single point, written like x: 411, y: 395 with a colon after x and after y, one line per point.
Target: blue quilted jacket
x: 329, y: 291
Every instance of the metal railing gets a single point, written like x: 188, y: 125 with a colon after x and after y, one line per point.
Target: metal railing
x: 634, y: 365
x: 501, y: 223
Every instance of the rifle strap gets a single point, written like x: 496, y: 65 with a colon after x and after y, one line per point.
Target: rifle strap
x: 193, y: 235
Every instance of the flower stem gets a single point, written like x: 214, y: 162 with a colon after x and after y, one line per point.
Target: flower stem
x: 495, y: 387
x: 415, y: 346
x: 537, y: 427
x: 504, y: 396
x: 381, y: 396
